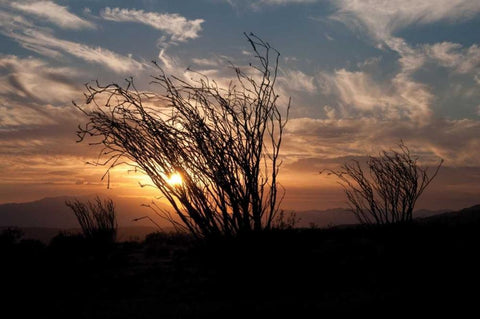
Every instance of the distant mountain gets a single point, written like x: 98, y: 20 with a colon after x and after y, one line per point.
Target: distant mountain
x: 470, y: 215
x: 325, y: 218
x: 47, y: 212
x: 343, y: 216
x: 425, y: 213
x: 52, y: 212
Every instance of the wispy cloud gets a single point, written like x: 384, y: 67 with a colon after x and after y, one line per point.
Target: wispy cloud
x: 257, y: 4
x: 37, y: 121
x: 175, y: 25
x: 283, y: 2
x: 453, y: 55
x: 115, y: 62
x: 44, y: 42
x: 298, y: 81
x: 34, y: 80
x: 383, y: 18
x: 56, y: 14
x: 328, y: 138
x: 205, y: 62
x: 358, y: 93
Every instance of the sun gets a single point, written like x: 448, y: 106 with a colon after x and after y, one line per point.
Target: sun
x: 175, y: 179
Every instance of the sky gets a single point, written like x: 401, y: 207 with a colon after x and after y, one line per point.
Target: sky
x: 362, y: 75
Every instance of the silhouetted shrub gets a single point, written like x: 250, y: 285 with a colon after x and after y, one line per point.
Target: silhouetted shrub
x: 97, y: 219
x: 224, y: 142
x: 285, y: 220
x: 386, y: 193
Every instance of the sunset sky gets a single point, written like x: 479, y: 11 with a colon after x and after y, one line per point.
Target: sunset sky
x: 362, y: 75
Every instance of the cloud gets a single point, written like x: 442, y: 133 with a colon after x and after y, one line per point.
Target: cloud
x: 44, y: 42
x: 328, y: 37
x: 453, y: 55
x: 116, y: 62
x: 284, y: 2
x: 169, y: 63
x: 178, y: 27
x: 36, y: 114
x: 326, y: 138
x: 402, y: 94
x: 54, y: 13
x: 206, y: 62
x: 256, y: 4
x: 32, y: 79
x: 357, y: 93
x: 298, y: 81
x: 382, y: 18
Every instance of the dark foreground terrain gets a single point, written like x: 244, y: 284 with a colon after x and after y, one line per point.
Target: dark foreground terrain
x: 426, y: 268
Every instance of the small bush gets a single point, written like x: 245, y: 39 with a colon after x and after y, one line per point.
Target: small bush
x: 387, y: 191
x: 97, y: 219
x: 285, y: 220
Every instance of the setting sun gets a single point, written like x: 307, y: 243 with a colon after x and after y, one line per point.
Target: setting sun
x: 175, y: 179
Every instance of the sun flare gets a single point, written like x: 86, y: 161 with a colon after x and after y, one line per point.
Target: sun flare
x: 175, y: 179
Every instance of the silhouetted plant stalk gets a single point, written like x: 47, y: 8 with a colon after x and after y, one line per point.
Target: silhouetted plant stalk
x: 97, y: 219
x: 386, y: 193
x: 224, y: 142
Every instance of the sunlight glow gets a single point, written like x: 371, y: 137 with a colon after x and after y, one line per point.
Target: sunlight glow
x: 175, y: 179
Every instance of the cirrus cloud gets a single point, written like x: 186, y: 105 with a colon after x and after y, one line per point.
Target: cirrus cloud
x: 177, y: 26
x: 453, y: 55
x: 328, y: 138
x: 42, y: 41
x: 32, y: 79
x: 357, y: 93
x: 54, y: 13
x: 384, y: 17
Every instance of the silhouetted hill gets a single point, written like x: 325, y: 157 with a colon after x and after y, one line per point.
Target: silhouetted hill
x: 325, y: 218
x: 51, y: 212
x: 470, y: 215
x: 47, y: 212
x: 343, y: 216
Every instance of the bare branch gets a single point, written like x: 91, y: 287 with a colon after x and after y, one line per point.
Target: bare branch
x: 386, y: 193
x: 97, y: 219
x: 224, y: 142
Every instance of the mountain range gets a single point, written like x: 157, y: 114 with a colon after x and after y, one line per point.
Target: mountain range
x: 51, y: 212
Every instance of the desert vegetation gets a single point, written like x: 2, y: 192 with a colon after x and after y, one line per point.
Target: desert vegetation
x: 222, y: 142
x: 385, y: 192
x: 97, y: 219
